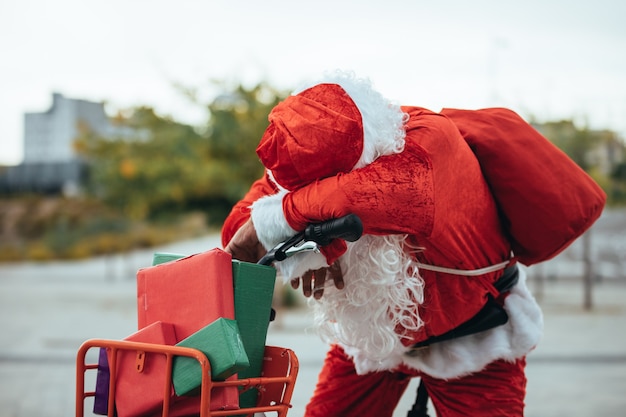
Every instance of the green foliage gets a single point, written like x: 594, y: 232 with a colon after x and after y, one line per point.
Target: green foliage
x: 153, y: 165
x: 158, y: 165
x: 576, y: 143
x: 238, y: 120
x: 44, y: 228
x: 596, y: 151
x: 618, y: 186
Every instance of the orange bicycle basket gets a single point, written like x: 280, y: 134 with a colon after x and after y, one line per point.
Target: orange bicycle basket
x: 275, y: 385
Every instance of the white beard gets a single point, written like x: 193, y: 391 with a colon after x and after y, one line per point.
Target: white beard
x: 380, y: 298
x: 379, y: 304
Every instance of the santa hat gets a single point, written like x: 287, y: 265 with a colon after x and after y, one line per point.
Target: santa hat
x: 312, y: 135
x: 328, y: 128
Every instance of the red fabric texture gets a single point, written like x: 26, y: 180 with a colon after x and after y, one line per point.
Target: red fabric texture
x: 341, y: 392
x: 496, y: 391
x: 240, y: 213
x: 312, y: 135
x: 546, y: 200
x: 434, y: 192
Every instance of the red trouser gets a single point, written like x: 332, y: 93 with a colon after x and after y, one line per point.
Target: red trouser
x: 498, y: 390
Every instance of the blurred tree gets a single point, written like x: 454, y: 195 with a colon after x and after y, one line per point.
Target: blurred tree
x: 576, y: 143
x: 598, y: 152
x: 618, y: 189
x: 150, y: 165
x: 238, y: 120
x: 156, y: 165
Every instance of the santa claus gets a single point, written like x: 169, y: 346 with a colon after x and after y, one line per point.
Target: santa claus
x: 430, y: 290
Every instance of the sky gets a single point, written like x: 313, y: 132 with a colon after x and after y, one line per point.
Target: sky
x: 546, y: 59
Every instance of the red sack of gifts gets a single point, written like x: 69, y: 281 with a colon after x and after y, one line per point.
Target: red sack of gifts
x: 546, y: 200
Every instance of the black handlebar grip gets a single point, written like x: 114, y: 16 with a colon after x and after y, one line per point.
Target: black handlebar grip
x: 348, y: 228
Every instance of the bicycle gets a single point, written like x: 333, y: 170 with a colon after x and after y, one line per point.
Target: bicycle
x: 280, y: 365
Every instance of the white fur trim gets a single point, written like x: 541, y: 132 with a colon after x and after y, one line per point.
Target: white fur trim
x: 472, y: 353
x: 269, y: 221
x: 272, y: 228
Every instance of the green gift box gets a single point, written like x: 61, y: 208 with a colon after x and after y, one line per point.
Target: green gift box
x: 254, y: 289
x: 221, y: 342
x: 163, y: 257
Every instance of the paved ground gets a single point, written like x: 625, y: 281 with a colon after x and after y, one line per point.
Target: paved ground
x: 48, y: 310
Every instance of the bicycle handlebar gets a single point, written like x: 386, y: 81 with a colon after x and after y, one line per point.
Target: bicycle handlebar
x: 348, y: 228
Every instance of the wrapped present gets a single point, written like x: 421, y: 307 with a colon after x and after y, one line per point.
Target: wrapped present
x: 101, y: 394
x: 221, y: 343
x: 163, y: 257
x: 141, y: 376
x: 254, y: 289
x: 190, y: 292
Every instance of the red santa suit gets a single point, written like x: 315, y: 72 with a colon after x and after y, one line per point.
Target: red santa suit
x: 424, y: 203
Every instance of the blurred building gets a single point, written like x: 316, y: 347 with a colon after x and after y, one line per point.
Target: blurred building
x: 51, y: 164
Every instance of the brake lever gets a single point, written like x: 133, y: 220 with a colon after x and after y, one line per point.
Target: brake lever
x: 289, y: 248
x: 307, y: 246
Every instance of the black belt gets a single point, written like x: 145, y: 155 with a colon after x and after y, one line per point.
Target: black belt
x: 490, y: 316
x: 509, y: 278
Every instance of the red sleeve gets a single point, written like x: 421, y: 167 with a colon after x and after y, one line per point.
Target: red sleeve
x: 393, y: 195
x: 240, y: 212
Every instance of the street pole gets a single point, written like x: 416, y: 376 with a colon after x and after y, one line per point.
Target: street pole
x: 588, y: 272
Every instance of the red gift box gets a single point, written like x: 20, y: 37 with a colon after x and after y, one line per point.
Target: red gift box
x: 141, y: 376
x: 190, y: 293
